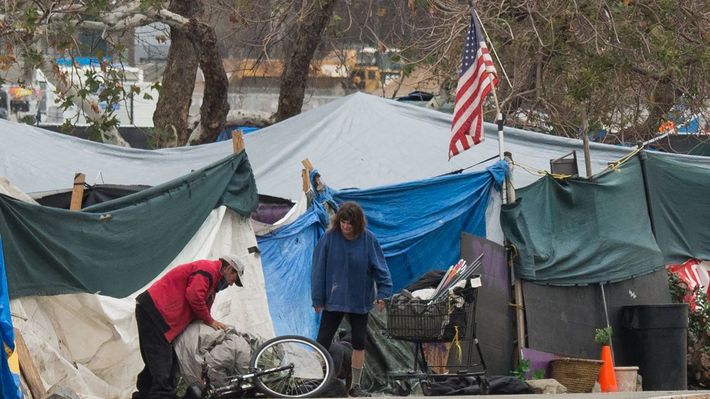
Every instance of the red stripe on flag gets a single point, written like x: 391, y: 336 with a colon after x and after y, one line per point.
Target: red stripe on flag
x: 475, y: 84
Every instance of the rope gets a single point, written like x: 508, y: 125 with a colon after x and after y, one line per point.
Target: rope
x: 456, y: 341
x: 615, y: 166
x: 541, y: 172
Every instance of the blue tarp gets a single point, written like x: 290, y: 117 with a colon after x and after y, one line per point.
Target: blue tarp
x: 286, y: 260
x: 418, y: 224
x: 9, y: 381
x: 690, y: 127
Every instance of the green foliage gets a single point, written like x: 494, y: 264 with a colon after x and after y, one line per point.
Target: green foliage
x: 521, y: 370
x: 538, y: 374
x: 156, y: 86
x: 699, y: 307
x: 67, y: 127
x: 31, y: 17
x: 94, y: 8
x: 28, y: 120
x: 62, y: 36
x: 602, y: 336
x: 524, y: 368
x: 32, y: 57
x: 146, y: 5
x: 622, y: 64
x: 678, y: 288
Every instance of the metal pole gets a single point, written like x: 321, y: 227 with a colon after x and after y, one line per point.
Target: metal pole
x: 508, y: 195
x: 585, y: 141
x: 131, y: 120
x: 606, y: 317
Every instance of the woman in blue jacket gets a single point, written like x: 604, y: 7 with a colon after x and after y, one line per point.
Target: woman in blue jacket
x: 347, y: 264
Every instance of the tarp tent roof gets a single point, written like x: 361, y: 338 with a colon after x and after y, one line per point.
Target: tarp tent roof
x: 86, y: 339
x: 357, y: 141
x: 556, y: 227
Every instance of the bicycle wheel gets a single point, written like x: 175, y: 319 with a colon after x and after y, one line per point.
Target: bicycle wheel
x: 305, y: 367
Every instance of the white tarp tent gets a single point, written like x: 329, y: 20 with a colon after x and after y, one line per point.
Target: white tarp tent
x: 357, y: 141
x: 89, y: 343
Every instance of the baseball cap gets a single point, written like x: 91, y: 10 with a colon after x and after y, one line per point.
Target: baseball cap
x: 238, y: 264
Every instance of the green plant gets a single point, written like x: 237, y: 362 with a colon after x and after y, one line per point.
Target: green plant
x: 698, y: 306
x: 521, y: 370
x: 602, y: 336
x: 538, y: 374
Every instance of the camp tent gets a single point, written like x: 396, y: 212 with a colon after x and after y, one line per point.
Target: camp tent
x: 587, y: 249
x: 358, y: 141
x: 418, y: 225
x: 93, y: 263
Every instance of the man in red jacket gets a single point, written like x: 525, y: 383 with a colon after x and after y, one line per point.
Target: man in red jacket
x: 184, y: 294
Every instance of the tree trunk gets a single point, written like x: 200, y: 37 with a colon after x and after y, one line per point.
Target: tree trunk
x: 172, y: 111
x: 300, y: 53
x: 215, y: 106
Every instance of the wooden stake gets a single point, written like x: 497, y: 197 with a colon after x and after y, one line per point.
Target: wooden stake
x: 77, y: 192
x: 28, y: 368
x: 306, y: 181
x: 517, y: 283
x: 237, y: 141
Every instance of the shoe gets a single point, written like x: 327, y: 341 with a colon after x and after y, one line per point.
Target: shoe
x: 357, y: 392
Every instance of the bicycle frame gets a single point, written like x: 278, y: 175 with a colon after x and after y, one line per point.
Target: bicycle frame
x: 293, y: 378
x: 239, y: 383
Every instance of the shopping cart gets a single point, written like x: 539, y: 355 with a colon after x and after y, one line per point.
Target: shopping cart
x: 443, y: 334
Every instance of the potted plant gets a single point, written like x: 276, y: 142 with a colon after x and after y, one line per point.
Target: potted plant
x: 602, y: 336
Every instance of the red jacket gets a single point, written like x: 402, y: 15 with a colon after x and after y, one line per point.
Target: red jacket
x: 186, y: 293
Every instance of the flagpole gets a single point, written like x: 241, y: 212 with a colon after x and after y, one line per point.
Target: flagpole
x: 508, y: 195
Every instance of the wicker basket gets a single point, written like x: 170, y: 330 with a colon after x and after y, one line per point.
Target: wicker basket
x: 577, y: 375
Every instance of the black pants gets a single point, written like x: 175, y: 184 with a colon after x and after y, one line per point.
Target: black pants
x: 330, y: 321
x: 157, y: 380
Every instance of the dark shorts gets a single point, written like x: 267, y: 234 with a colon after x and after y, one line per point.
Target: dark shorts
x: 330, y: 321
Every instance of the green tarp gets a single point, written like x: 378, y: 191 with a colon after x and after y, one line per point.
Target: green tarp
x: 116, y: 247
x: 581, y: 232
x: 680, y: 198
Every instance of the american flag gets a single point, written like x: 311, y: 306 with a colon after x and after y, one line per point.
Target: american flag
x: 478, y: 76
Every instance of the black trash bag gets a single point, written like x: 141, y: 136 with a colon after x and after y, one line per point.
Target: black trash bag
x: 498, y: 385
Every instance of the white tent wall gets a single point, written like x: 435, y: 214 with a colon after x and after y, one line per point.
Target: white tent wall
x: 357, y: 141
x: 493, y: 230
x: 11, y: 190
x: 89, y: 343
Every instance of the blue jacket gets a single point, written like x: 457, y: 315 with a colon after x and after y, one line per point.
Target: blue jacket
x: 345, y: 273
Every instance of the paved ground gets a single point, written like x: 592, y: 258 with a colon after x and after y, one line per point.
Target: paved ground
x: 618, y: 395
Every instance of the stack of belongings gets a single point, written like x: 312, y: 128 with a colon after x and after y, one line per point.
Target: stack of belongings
x: 433, y: 308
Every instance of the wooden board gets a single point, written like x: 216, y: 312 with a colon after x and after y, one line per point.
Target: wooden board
x: 27, y: 367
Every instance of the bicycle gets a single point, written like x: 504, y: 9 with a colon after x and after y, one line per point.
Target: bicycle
x: 289, y: 366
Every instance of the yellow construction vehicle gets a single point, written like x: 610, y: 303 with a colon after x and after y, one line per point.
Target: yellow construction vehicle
x: 366, y: 69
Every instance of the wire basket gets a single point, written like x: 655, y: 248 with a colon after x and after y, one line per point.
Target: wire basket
x: 577, y: 375
x: 417, y: 320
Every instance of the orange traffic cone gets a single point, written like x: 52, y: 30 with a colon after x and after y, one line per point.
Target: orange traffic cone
x: 607, y: 378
